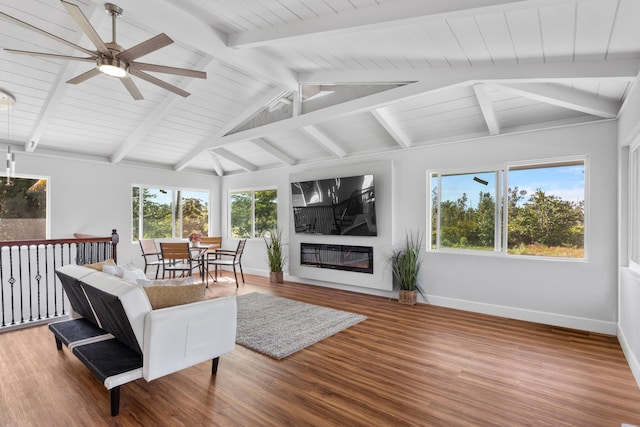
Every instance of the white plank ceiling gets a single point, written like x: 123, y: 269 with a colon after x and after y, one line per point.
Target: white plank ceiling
x: 469, y: 69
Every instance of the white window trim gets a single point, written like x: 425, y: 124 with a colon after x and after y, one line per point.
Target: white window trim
x: 500, y: 243
x: 173, y: 190
x: 253, y: 190
x: 634, y: 207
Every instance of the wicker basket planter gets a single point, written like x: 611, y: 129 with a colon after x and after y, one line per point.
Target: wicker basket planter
x: 407, y: 297
x: 276, y: 277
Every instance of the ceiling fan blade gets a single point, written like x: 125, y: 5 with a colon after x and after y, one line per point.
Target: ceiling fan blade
x: 84, y: 76
x: 86, y: 27
x: 132, y: 88
x: 144, y: 48
x: 167, y: 70
x: 50, y: 55
x: 45, y: 33
x: 158, y: 82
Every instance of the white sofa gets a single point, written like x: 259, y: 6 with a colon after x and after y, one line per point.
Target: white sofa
x: 117, y: 334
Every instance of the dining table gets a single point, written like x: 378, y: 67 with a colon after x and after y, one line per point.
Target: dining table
x: 202, y: 253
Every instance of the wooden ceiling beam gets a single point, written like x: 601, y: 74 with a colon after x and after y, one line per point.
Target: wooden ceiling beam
x: 273, y: 151
x: 565, y: 97
x: 215, y: 163
x: 391, y: 126
x: 505, y: 73
x: 486, y: 106
x: 324, y: 140
x: 249, y: 167
x: 185, y: 20
x: 379, y: 17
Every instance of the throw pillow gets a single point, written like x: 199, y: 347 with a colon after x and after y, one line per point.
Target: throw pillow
x: 132, y: 276
x: 99, y: 265
x: 189, y: 280
x: 110, y: 269
x: 121, y: 269
x: 169, y: 295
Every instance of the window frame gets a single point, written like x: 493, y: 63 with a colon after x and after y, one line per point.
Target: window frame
x: 633, y: 244
x: 502, y: 206
x: 251, y: 190
x: 174, y: 190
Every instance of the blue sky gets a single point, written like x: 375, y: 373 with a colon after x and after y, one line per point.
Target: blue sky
x: 164, y: 196
x: 566, y: 182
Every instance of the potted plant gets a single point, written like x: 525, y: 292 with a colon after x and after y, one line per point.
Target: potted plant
x: 406, y: 261
x: 275, y: 255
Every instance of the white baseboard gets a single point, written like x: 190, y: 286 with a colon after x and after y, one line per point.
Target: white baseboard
x: 546, y: 318
x: 555, y: 319
x: 632, y: 360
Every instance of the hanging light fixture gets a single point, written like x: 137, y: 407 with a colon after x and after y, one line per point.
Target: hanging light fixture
x: 11, y: 165
x: 7, y: 101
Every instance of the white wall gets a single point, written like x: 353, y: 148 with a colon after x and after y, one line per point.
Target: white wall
x: 578, y: 294
x: 629, y: 281
x: 91, y: 197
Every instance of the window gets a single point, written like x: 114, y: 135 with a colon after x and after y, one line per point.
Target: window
x: 23, y: 209
x: 252, y: 212
x: 165, y: 213
x: 467, y: 210
x: 518, y: 210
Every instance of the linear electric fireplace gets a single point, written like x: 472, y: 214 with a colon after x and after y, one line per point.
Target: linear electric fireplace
x: 337, y: 257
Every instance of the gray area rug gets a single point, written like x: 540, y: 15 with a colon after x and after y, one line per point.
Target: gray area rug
x: 278, y: 326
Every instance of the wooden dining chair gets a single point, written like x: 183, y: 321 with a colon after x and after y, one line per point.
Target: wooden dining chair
x: 176, y: 257
x: 229, y: 258
x: 213, y: 243
x: 151, y: 254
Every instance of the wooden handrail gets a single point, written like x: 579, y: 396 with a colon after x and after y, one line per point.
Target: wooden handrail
x: 114, y: 239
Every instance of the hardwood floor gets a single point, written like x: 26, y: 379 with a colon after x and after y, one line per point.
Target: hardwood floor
x: 405, y: 365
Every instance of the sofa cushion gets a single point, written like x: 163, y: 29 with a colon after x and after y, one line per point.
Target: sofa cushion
x: 69, y: 276
x: 169, y: 295
x: 112, y: 298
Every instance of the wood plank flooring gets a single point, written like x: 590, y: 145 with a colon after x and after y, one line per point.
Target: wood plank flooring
x: 404, y: 366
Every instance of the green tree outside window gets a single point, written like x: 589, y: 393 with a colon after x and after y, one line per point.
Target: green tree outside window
x: 546, y: 221
x: 160, y: 213
x: 252, y: 213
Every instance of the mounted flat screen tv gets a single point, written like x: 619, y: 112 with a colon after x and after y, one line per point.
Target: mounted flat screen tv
x: 336, y: 206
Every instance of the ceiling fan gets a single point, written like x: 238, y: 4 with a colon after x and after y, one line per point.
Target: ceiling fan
x: 111, y: 58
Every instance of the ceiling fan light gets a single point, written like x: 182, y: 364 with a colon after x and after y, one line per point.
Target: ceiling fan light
x: 112, y: 67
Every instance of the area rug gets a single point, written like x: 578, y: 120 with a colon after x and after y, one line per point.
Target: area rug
x: 278, y: 326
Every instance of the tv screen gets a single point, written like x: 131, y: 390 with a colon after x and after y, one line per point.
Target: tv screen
x: 336, y: 206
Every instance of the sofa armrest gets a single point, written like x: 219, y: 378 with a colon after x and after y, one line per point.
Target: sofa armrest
x: 185, y: 335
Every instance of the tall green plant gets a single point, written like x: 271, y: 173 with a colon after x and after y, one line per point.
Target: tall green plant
x: 406, y: 262
x: 275, y: 250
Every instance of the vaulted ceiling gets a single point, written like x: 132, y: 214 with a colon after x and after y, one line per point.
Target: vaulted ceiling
x: 395, y: 74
